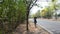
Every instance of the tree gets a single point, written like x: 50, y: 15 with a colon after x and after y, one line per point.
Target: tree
x: 12, y: 14
x: 30, y: 4
x: 47, y: 12
x: 54, y: 3
x: 37, y: 14
x: 58, y: 15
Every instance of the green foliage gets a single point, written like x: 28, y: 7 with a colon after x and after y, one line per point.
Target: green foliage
x: 0, y: 32
x: 12, y: 13
x: 47, y: 12
x: 58, y: 15
x: 37, y: 14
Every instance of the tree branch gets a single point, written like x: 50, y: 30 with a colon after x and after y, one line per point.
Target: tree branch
x: 33, y: 4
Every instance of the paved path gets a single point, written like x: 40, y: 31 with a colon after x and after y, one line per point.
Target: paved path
x: 51, y: 26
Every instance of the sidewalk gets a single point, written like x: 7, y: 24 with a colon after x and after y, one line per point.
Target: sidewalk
x: 51, y: 19
x: 21, y: 29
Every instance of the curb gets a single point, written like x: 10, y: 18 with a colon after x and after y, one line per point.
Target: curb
x: 45, y: 29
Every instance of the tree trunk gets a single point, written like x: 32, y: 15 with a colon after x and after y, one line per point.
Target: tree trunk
x: 27, y: 19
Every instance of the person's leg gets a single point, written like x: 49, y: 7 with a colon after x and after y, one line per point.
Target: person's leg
x: 35, y: 25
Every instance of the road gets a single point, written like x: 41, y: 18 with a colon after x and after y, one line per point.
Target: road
x: 51, y: 26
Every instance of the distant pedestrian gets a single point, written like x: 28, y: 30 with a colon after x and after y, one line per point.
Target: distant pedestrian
x: 35, y: 21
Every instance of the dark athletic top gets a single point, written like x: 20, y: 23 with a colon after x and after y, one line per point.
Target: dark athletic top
x: 35, y: 20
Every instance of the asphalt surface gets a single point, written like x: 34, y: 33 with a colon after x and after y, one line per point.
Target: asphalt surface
x: 51, y: 26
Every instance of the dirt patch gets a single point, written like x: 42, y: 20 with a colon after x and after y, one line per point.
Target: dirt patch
x: 21, y: 29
